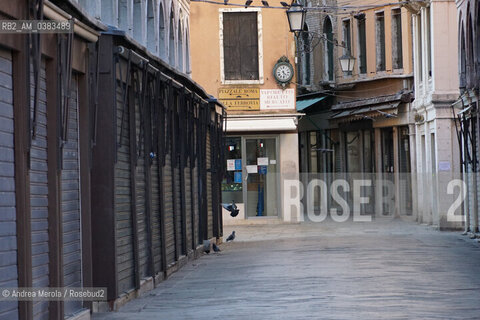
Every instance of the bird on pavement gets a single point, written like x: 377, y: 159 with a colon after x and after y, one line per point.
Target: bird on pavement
x: 231, y: 237
x: 206, y: 246
x: 215, y: 248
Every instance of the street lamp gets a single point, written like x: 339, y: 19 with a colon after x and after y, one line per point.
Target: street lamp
x: 347, y: 62
x: 296, y: 17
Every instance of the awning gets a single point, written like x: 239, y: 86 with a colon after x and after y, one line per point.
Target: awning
x: 382, y: 110
x: 269, y: 124
x: 303, y: 104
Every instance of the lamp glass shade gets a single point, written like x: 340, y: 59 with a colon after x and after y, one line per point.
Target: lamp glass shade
x: 347, y: 62
x: 296, y: 17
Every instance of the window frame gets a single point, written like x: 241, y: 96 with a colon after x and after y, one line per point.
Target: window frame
x: 260, y: 46
x: 381, y: 14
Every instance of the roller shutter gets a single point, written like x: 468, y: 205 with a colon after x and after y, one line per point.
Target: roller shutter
x: 178, y: 211
x: 8, y: 241
x: 188, y: 206
x: 168, y: 203
x: 209, y: 185
x: 70, y: 203
x: 123, y: 204
x: 142, y: 233
x: 39, y: 196
x: 156, y: 237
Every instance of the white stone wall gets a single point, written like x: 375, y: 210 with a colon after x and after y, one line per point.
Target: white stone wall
x: 162, y: 26
x: 434, y: 93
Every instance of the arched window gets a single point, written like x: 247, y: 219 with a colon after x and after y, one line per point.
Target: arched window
x: 304, y: 46
x: 328, y: 45
x: 171, y: 40
x: 107, y: 12
x: 470, y: 58
x: 180, y: 47
x: 187, y: 50
x: 137, y: 21
x: 151, y: 39
x: 462, y: 57
x: 162, y: 46
x: 123, y: 15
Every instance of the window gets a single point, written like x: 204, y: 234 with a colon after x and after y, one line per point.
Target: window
x: 380, y: 40
x: 429, y: 43
x: 107, y: 12
x: 151, y: 40
x: 161, y: 34
x: 362, y: 46
x: 419, y: 49
x: 137, y: 21
x: 122, y: 15
x: 328, y: 36
x: 180, y: 47
x: 346, y: 36
x: 304, y: 64
x: 240, y: 46
x: 397, y: 39
x: 171, y: 41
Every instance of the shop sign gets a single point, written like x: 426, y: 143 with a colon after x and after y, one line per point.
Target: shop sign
x: 238, y: 98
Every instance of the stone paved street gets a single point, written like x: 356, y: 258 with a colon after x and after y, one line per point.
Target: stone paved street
x: 379, y: 270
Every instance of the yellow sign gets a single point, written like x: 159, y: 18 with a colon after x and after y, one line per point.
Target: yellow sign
x: 240, y: 98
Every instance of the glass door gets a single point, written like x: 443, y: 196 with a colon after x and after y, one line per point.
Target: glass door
x: 261, y: 177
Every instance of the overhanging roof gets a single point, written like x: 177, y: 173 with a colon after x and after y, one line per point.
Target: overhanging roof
x: 303, y: 104
x: 368, y: 112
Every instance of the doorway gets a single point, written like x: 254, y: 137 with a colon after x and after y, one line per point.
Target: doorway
x: 261, y: 179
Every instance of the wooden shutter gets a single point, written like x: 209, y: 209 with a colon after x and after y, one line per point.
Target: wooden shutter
x: 240, y: 45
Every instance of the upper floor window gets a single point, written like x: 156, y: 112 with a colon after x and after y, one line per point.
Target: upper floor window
x: 397, y: 39
x: 362, y: 46
x: 303, y: 74
x: 347, y: 41
x: 380, y: 40
x: 240, y: 46
x: 328, y: 36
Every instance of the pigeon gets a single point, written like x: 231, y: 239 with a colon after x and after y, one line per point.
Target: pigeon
x: 232, y: 208
x: 231, y: 237
x: 284, y: 4
x: 215, y: 248
x: 206, y: 246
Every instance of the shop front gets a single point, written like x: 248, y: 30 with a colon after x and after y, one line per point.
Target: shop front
x: 257, y: 164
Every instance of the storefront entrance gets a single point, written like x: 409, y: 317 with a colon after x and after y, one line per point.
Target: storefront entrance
x: 252, y: 175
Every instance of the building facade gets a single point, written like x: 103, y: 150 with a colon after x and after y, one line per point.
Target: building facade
x: 235, y: 50
x: 365, y: 132
x: 436, y: 143
x: 466, y: 108
x: 111, y: 159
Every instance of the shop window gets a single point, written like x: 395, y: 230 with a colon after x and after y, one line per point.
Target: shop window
x: 362, y: 46
x: 232, y: 183
x: 380, y: 40
x: 397, y: 39
x: 240, y: 46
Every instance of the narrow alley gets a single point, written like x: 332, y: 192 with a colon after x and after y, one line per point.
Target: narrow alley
x: 386, y: 269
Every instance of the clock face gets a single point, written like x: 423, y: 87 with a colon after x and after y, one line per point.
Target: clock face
x: 283, y: 73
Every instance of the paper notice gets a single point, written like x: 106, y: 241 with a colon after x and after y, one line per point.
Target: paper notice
x: 231, y: 165
x: 252, y: 169
x: 262, y: 161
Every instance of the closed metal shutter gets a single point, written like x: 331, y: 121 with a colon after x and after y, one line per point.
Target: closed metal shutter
x: 123, y: 205
x: 39, y: 196
x: 188, y: 206
x: 178, y: 212
x: 70, y: 203
x: 142, y: 233
x: 156, y: 237
x: 209, y: 186
x: 168, y: 200
x: 8, y: 241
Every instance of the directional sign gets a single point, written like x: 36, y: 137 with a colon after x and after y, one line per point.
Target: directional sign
x: 240, y: 98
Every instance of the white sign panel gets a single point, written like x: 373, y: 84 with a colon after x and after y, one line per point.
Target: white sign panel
x: 252, y: 169
x: 444, y: 166
x: 231, y: 165
x: 271, y: 99
x: 262, y: 161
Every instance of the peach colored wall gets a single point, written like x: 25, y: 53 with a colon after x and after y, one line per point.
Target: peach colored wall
x: 205, y: 44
